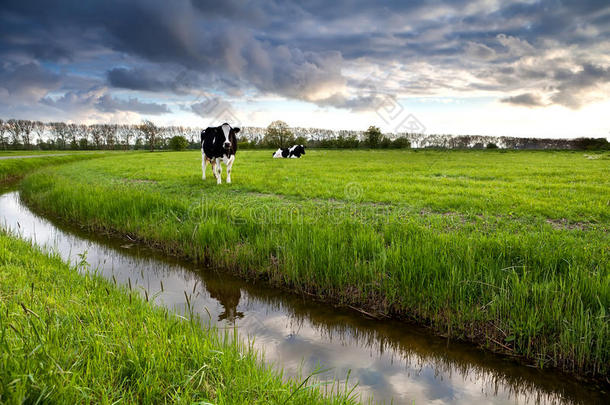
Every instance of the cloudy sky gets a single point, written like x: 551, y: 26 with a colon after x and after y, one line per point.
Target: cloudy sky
x: 523, y: 68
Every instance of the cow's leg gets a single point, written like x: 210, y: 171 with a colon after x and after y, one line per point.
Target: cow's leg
x: 229, y: 163
x: 213, y: 164
x: 204, y: 165
x: 218, y: 171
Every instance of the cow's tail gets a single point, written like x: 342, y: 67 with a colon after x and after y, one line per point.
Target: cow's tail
x: 202, y: 133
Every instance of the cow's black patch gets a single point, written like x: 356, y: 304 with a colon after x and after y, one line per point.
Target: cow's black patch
x: 296, y: 151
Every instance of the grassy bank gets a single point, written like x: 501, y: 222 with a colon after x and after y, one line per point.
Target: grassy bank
x: 24, y: 152
x: 72, y: 338
x: 508, y: 249
x: 12, y: 169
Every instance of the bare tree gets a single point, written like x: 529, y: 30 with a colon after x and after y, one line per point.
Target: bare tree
x: 165, y: 134
x: 126, y: 134
x: 83, y: 136
x: 60, y: 132
x: 139, y: 137
x: 151, y: 133
x: 14, y: 130
x: 26, y: 128
x: 39, y: 130
x: 97, y: 135
x: 192, y: 134
x: 3, y: 130
x: 120, y: 134
x: 109, y: 133
x: 73, y: 132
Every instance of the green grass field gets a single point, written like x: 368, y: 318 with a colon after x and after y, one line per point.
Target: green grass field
x: 38, y: 152
x: 507, y: 249
x: 72, y: 338
x: 25, y: 152
x: 12, y: 169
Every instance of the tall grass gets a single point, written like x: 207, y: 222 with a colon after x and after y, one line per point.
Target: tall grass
x: 72, y: 338
x: 522, y: 269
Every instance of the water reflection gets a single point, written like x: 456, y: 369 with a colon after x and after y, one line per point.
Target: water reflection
x: 389, y: 360
x: 228, y: 296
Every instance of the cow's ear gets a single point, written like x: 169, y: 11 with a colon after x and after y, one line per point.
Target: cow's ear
x: 236, y: 130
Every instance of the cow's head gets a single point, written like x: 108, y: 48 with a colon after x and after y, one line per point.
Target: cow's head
x: 229, y: 134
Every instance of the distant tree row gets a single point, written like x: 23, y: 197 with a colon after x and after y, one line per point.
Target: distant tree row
x: 25, y: 134
x: 504, y: 142
x: 279, y: 135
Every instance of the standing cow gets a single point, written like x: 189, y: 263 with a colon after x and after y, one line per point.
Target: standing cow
x: 218, y: 144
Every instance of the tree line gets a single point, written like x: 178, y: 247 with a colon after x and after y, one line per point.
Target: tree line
x: 26, y: 134
x: 279, y: 134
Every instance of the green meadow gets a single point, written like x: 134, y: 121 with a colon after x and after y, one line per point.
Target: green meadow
x: 14, y: 168
x: 507, y: 249
x: 27, y: 152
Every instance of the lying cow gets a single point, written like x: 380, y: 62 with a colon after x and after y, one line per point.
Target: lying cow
x: 293, y: 152
x: 218, y: 144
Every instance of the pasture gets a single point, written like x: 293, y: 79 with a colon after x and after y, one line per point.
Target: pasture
x: 26, y: 152
x: 506, y: 249
x: 12, y: 168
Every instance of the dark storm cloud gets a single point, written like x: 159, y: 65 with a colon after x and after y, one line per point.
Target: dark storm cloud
x: 571, y: 92
x: 73, y: 100
x: 308, y: 50
x: 137, y: 79
x: 27, y: 81
x: 479, y: 51
x: 211, y: 106
x: 107, y: 103
x: 98, y: 99
x: 525, y: 99
x: 160, y: 79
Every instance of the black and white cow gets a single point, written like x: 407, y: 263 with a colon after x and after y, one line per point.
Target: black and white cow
x: 218, y: 144
x: 293, y: 152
